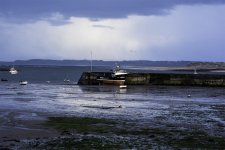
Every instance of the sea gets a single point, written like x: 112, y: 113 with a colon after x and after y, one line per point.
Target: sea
x: 46, y: 92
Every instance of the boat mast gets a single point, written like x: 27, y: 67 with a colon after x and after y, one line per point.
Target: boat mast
x: 91, y: 61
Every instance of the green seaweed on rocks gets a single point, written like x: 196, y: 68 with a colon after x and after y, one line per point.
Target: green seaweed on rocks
x: 101, y: 133
x: 83, y: 125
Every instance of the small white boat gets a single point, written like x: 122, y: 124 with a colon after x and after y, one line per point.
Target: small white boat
x: 23, y: 82
x: 66, y: 80
x: 13, y: 70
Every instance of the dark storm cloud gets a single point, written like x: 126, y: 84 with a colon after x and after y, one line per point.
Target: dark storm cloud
x: 33, y: 9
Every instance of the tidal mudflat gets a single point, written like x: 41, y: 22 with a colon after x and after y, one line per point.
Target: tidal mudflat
x: 47, y: 116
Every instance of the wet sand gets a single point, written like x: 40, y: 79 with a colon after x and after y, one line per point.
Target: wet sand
x: 178, y: 129
x: 17, y: 127
x: 95, y: 117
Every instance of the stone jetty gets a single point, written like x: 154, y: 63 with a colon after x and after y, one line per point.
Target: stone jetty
x: 92, y: 78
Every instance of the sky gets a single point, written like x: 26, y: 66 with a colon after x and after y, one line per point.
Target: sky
x: 173, y: 30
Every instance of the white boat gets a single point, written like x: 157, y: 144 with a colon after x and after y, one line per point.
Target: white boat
x: 23, y: 82
x: 66, y: 80
x: 117, y: 77
x: 119, y: 72
x: 13, y: 70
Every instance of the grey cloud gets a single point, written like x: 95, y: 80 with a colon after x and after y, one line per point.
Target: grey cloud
x: 103, y: 26
x: 34, y: 9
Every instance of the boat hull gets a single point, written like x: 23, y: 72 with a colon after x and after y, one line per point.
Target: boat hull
x: 13, y: 72
x: 23, y: 82
x: 111, y: 82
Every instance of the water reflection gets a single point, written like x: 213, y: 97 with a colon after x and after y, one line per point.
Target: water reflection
x: 107, y: 101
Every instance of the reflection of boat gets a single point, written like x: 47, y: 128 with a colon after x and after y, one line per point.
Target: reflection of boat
x: 13, y: 70
x: 123, y: 86
x: 195, y: 71
x: 23, y: 82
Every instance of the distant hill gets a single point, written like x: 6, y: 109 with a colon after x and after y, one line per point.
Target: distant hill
x: 47, y: 62
x: 138, y: 63
x: 207, y: 65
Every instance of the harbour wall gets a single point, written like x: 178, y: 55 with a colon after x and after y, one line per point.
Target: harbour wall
x: 91, y: 78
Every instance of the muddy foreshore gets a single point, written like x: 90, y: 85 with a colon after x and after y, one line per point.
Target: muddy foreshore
x: 45, y: 116
x: 177, y: 130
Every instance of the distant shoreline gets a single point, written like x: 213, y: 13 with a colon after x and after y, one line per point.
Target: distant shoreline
x: 125, y: 63
x: 44, y: 62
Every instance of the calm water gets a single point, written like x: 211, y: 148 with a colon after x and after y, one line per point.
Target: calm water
x: 204, y: 107
x: 53, y: 74
x: 56, y: 75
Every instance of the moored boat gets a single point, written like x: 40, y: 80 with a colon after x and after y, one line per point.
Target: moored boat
x: 117, y: 77
x: 23, y: 82
x: 13, y: 71
x: 118, y: 72
x: 66, y: 80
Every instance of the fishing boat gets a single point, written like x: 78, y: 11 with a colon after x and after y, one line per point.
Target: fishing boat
x: 117, y: 77
x: 13, y: 70
x: 118, y: 72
